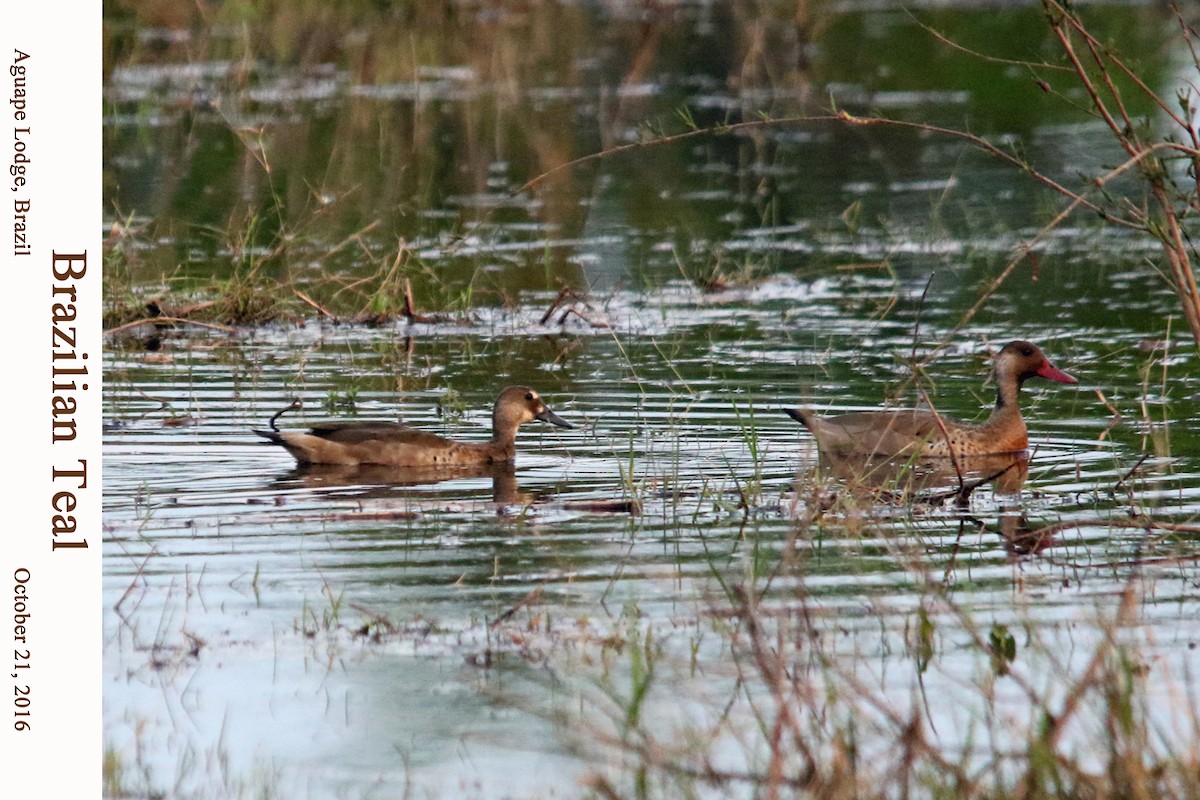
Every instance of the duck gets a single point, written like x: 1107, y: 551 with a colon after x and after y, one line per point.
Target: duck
x: 920, y: 433
x: 394, y: 444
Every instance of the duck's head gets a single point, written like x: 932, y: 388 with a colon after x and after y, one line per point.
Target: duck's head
x: 517, y: 405
x: 1021, y: 360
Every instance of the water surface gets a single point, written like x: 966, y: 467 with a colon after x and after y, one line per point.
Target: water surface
x: 345, y: 633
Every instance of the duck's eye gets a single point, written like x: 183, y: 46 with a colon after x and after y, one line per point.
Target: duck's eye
x: 1026, y: 351
x: 529, y: 396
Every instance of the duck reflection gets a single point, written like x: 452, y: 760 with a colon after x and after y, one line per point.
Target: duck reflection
x: 373, y: 480
x: 913, y: 479
x: 936, y: 481
x: 1021, y: 538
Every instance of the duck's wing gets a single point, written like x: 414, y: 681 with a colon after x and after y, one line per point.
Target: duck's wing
x: 358, y: 431
x: 876, y: 432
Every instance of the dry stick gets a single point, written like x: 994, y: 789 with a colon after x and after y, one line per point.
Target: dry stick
x: 937, y: 497
x: 945, y: 433
x: 164, y: 402
x: 187, y: 311
x: 844, y: 117
x: 1076, y: 202
x: 963, y: 490
x: 354, y: 237
x: 1104, y: 401
x: 573, y: 310
x: 1189, y: 37
x: 1102, y: 65
x: 1128, y: 474
x: 1189, y: 33
x: 1185, y: 279
x: 917, y: 323
x: 993, y: 150
x: 1125, y: 133
x: 1141, y: 523
x: 354, y: 284
x: 562, y: 294
x: 1081, y: 73
x: 1072, y: 701
x: 168, y: 321
x: 355, y: 516
x: 1176, y: 254
x: 410, y: 309
x: 1181, y: 266
x: 976, y: 54
x: 532, y: 598
x: 320, y: 309
x: 374, y: 616
x: 776, y: 678
x: 1094, y: 45
x: 138, y: 574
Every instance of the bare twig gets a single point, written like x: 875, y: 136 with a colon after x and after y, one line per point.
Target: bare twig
x: 410, y: 308
x: 169, y: 321
x: 531, y: 599
x: 320, y: 309
x: 1129, y: 474
x: 562, y: 294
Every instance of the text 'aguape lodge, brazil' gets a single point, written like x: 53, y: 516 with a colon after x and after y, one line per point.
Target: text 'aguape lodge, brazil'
x: 68, y: 364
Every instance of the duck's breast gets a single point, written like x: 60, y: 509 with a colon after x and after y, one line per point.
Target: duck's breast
x: 412, y: 448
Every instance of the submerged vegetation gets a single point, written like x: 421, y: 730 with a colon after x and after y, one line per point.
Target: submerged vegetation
x: 678, y: 217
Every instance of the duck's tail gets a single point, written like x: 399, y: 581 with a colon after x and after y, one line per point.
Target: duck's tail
x: 295, y: 404
x: 272, y: 436
x: 280, y: 438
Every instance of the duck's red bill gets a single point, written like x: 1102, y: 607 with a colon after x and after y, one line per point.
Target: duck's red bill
x: 1053, y: 373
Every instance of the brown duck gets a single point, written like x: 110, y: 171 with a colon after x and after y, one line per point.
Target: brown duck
x: 397, y: 445
x: 917, y: 433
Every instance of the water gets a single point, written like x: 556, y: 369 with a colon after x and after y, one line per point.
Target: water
x: 341, y: 633
x: 234, y: 585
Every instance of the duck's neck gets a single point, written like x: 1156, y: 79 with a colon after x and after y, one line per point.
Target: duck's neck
x: 504, y: 438
x: 1007, y: 390
x: 1005, y: 428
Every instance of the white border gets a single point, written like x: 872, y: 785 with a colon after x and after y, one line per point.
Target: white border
x: 60, y: 755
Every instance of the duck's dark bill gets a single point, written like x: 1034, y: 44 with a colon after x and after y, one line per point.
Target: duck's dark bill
x: 554, y: 419
x: 794, y: 414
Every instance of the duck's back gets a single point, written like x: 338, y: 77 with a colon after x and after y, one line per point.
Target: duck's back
x: 387, y: 443
x: 920, y: 433
x: 874, y: 432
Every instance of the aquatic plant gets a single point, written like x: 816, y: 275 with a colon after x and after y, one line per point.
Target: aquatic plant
x: 799, y: 713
